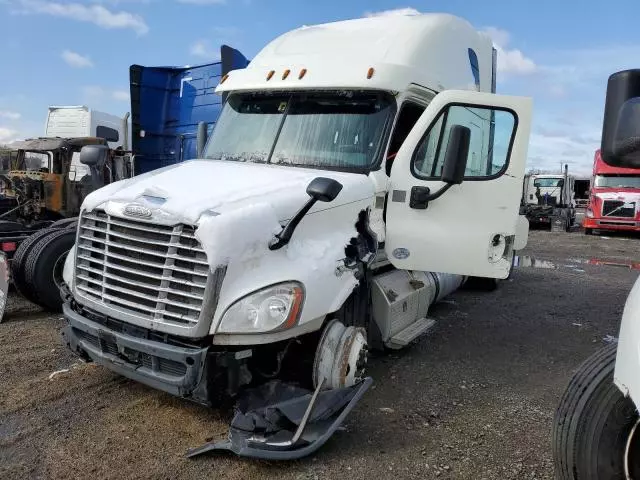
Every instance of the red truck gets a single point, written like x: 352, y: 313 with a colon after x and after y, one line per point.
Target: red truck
x: 614, y: 200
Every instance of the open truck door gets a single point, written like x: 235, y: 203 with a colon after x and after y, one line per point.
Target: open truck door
x: 456, y: 185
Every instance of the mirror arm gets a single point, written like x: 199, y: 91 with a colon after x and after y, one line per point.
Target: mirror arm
x: 285, y: 235
x: 421, y: 196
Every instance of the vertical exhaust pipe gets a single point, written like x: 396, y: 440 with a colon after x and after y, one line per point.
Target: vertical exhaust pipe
x: 125, y: 129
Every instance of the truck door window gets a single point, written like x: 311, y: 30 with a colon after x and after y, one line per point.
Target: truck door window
x: 491, y: 135
x: 409, y: 114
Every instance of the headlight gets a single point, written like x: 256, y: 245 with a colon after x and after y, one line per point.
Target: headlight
x: 69, y: 266
x: 589, y: 213
x: 273, y: 308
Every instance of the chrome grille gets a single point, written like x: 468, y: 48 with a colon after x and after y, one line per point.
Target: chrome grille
x: 152, y: 271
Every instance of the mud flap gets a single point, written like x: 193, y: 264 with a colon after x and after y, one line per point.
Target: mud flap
x: 276, y: 421
x: 4, y: 283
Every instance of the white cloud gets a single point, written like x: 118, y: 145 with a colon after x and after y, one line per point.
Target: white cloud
x: 9, y: 115
x: 7, y: 135
x: 121, y: 95
x: 510, y: 61
x: 202, y: 49
x: 203, y: 2
x: 76, y: 60
x: 393, y: 12
x: 96, y: 14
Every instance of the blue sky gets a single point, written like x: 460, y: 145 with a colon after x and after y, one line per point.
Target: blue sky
x: 78, y: 52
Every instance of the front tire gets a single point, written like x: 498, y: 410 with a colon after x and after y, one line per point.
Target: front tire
x: 596, y: 435
x: 588, y: 231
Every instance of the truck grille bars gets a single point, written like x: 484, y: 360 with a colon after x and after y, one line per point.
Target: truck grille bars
x: 151, y: 271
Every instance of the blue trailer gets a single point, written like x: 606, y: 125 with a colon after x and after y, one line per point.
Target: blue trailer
x: 168, y: 103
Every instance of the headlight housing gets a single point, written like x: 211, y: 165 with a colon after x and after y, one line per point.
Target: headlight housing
x: 273, y: 308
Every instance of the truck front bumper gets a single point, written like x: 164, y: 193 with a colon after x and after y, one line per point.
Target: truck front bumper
x: 629, y: 225
x: 181, y: 371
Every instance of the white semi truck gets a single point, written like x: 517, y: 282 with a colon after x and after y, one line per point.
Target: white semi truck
x: 596, y: 429
x: 549, y: 199
x: 350, y: 161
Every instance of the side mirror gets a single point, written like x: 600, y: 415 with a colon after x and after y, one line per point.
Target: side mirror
x: 324, y: 189
x: 320, y: 189
x: 94, y: 155
x: 621, y: 128
x: 201, y: 139
x: 455, y: 157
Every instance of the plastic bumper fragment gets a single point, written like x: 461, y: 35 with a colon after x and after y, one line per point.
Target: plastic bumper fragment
x: 277, y: 421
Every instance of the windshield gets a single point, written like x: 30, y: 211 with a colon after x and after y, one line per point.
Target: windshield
x: 547, y: 182
x: 333, y: 130
x: 617, y: 181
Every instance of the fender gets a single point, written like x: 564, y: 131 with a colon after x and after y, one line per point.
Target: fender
x: 627, y: 370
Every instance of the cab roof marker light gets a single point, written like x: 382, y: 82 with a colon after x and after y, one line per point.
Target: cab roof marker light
x: 224, y: 79
x: 370, y: 73
x: 286, y: 74
x: 270, y: 74
x: 303, y: 72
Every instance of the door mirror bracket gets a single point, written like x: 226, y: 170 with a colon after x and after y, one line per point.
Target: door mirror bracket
x: 421, y: 196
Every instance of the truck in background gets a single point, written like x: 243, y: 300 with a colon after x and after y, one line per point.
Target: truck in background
x: 582, y: 187
x: 168, y: 104
x: 316, y: 222
x: 75, y: 121
x: 549, y: 200
x: 614, y: 200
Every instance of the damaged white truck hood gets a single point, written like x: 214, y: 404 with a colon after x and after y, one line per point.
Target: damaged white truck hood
x: 237, y: 207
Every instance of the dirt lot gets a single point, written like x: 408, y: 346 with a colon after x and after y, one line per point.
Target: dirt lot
x: 473, y: 400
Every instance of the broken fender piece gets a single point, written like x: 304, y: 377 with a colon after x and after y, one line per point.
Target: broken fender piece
x: 268, y: 418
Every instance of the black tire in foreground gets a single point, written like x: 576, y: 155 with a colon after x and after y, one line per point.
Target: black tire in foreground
x: 596, y: 430
x: 19, y: 260
x: 44, y: 266
x: 588, y: 231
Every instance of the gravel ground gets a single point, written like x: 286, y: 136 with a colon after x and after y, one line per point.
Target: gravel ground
x: 473, y: 400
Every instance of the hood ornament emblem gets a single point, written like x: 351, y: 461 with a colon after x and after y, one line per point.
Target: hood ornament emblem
x: 134, y: 210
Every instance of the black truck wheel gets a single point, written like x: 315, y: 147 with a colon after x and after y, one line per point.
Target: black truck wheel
x: 596, y: 430
x: 44, y: 266
x: 20, y: 258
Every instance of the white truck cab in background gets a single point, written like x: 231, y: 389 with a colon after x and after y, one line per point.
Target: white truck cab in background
x: 71, y: 121
x: 352, y: 163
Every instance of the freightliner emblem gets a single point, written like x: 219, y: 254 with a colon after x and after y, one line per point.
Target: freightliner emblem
x: 133, y: 210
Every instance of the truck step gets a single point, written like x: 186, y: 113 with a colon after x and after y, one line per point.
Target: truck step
x: 413, y: 331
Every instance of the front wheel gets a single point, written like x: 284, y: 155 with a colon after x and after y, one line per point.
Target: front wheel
x: 596, y: 429
x: 588, y: 231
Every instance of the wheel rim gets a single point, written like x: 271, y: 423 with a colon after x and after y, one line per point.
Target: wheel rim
x: 58, y: 269
x: 631, y: 453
